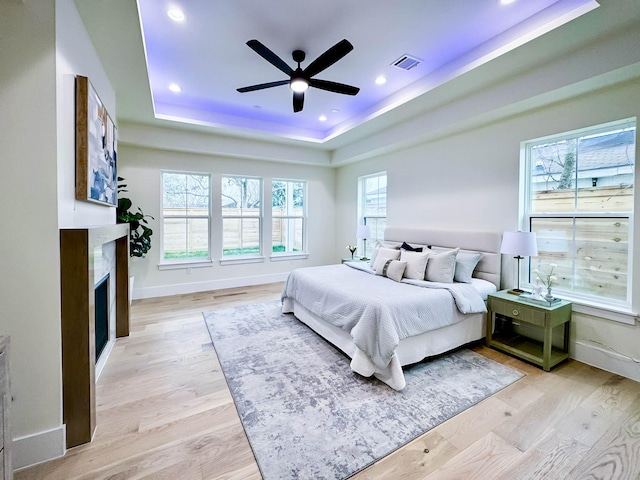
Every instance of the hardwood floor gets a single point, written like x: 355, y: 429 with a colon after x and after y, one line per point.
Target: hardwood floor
x: 164, y: 412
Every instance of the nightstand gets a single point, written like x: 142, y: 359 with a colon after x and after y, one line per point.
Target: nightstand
x: 544, y: 317
x: 354, y: 259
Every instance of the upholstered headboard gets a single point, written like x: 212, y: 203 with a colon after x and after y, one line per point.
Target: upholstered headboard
x: 488, y: 243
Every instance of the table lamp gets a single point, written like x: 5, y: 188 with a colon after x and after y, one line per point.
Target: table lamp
x: 362, y: 233
x: 519, y: 244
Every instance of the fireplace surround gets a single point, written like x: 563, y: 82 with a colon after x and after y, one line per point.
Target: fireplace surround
x: 77, y: 281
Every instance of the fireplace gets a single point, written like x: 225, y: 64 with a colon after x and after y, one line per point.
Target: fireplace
x: 78, y: 296
x: 101, y: 314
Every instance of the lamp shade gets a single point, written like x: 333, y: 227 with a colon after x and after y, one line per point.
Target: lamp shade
x: 522, y: 244
x: 363, y: 232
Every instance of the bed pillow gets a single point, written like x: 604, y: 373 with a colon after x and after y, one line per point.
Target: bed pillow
x: 378, y: 245
x: 465, y: 265
x: 441, y: 267
x: 416, y: 264
x: 393, y: 269
x: 409, y: 248
x: 383, y: 254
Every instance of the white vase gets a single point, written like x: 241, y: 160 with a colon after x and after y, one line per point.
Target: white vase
x: 548, y: 297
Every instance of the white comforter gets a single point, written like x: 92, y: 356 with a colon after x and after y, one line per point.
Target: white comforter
x: 377, y: 311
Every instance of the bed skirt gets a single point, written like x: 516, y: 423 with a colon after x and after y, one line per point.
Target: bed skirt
x: 410, y: 350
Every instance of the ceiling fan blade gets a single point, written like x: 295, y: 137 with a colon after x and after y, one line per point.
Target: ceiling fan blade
x: 328, y: 58
x: 298, y: 101
x: 269, y: 56
x: 262, y: 86
x: 334, y: 86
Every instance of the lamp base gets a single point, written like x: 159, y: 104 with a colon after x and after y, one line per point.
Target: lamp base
x: 515, y: 291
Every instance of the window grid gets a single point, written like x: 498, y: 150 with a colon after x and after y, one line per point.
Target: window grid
x: 372, y: 208
x: 241, y: 203
x: 289, y: 200
x: 578, y: 194
x: 186, y: 217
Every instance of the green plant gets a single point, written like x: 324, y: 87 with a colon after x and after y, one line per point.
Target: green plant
x: 139, y: 232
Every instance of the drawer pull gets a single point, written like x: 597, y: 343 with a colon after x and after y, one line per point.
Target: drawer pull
x: 515, y: 312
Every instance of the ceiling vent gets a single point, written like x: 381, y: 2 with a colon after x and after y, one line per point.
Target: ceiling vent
x: 407, y: 62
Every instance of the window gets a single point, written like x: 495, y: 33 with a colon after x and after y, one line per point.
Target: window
x: 579, y: 201
x: 185, y: 217
x: 288, y: 216
x: 372, y: 206
x: 241, y: 216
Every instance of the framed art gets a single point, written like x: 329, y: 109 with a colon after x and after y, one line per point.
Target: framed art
x: 96, y: 147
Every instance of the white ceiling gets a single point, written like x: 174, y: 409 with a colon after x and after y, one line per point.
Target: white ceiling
x: 206, y: 54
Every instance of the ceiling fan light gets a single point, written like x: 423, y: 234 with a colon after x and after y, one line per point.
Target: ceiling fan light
x: 299, y: 85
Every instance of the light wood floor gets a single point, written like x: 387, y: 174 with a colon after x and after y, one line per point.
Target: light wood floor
x: 164, y: 412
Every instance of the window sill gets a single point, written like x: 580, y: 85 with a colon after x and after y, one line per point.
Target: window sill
x: 240, y: 259
x: 185, y: 264
x: 281, y: 257
x: 607, y: 312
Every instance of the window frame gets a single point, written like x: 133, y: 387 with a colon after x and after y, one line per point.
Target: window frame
x: 276, y: 256
x: 166, y: 264
x: 362, y: 208
x: 243, y: 257
x: 591, y: 302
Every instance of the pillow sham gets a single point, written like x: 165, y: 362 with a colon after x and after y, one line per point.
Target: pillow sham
x: 441, y: 267
x: 416, y: 264
x: 393, y: 269
x: 383, y: 254
x: 378, y: 245
x: 465, y: 265
x: 406, y: 246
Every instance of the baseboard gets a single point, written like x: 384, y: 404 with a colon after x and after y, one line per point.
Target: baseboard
x: 608, y: 360
x: 180, y: 289
x: 39, y: 447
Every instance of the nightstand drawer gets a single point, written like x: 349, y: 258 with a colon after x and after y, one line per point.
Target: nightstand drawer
x: 518, y: 311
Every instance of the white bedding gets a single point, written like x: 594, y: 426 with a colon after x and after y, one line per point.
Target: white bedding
x: 376, y: 311
x: 455, y: 330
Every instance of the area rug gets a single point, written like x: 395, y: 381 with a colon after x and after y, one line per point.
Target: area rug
x: 308, y: 416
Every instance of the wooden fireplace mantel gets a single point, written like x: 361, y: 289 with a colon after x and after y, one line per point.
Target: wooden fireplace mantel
x: 78, y: 320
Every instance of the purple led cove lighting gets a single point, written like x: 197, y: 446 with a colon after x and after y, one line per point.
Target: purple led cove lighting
x: 207, y: 56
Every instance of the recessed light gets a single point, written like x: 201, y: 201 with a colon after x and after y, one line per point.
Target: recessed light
x: 175, y: 14
x: 322, y: 118
x: 506, y: 2
x: 381, y: 80
x: 175, y: 88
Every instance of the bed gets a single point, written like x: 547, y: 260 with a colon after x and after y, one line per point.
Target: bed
x: 382, y: 324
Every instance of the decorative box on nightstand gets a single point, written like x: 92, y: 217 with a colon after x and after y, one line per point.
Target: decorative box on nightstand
x: 354, y: 259
x: 543, y: 316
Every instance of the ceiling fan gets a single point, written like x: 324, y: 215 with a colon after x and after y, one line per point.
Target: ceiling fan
x: 300, y: 79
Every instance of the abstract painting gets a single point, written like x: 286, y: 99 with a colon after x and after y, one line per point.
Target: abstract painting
x: 96, y: 147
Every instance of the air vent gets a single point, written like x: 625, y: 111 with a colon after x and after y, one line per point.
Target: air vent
x: 406, y: 62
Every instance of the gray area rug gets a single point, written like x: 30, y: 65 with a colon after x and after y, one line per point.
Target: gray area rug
x: 308, y: 416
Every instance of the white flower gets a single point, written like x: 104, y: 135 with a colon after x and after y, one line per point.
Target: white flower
x: 553, y: 265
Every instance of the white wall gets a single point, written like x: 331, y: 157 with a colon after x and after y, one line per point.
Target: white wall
x: 142, y: 166
x: 75, y: 55
x: 29, y: 257
x: 37, y: 135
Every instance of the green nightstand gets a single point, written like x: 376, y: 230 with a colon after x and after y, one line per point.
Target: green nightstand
x: 354, y: 259
x: 543, y: 354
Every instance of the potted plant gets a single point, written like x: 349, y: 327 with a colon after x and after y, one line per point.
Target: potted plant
x: 139, y: 232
